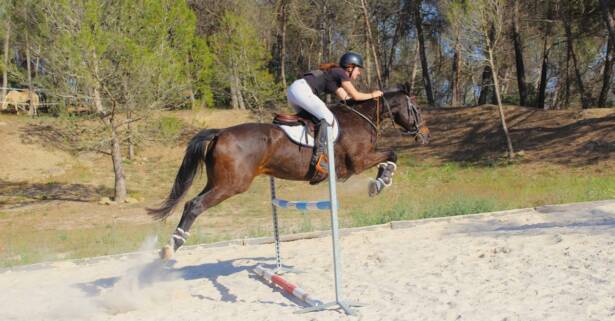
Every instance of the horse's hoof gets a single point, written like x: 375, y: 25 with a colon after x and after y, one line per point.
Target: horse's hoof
x: 373, y: 188
x: 166, y: 253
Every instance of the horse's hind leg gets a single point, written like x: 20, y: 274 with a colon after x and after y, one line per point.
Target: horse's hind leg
x: 208, y: 198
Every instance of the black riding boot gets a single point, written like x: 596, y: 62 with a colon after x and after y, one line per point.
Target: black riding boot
x: 319, y: 164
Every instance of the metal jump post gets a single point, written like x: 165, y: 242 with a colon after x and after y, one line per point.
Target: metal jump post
x: 330, y: 204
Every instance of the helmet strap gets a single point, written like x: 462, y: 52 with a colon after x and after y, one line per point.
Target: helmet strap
x: 352, y: 70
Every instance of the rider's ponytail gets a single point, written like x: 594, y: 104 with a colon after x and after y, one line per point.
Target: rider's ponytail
x: 328, y: 66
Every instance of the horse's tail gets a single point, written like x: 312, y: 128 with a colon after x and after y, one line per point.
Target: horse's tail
x: 193, y: 162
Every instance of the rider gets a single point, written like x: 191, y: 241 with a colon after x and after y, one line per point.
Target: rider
x: 330, y: 78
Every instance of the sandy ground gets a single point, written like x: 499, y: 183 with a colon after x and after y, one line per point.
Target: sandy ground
x: 549, y: 263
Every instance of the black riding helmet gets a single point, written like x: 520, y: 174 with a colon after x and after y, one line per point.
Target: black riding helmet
x: 351, y: 58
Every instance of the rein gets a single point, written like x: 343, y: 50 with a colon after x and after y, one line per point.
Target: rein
x: 411, y: 110
x: 377, y: 128
x: 371, y: 123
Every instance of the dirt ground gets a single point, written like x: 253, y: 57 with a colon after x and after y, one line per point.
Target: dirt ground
x: 37, y: 176
x: 474, y: 134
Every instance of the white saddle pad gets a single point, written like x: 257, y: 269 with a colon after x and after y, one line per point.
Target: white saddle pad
x: 300, y: 135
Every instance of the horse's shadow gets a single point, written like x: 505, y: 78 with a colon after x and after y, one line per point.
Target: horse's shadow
x: 157, y: 272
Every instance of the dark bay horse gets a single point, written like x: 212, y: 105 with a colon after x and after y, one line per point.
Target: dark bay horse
x: 234, y: 156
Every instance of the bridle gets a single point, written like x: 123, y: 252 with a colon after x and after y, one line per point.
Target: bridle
x: 412, y: 110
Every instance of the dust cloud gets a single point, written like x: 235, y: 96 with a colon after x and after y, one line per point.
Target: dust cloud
x: 138, y: 282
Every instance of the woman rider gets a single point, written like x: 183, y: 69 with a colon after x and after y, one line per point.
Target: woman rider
x: 328, y: 79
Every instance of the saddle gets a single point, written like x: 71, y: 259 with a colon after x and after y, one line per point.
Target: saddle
x: 301, y: 119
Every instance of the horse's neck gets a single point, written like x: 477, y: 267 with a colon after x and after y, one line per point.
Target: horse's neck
x: 366, y: 109
x: 370, y: 109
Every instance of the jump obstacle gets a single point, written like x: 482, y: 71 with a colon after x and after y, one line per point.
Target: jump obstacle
x: 290, y: 288
x: 330, y: 204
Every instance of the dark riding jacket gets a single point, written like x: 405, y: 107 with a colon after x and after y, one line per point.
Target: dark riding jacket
x: 326, y: 81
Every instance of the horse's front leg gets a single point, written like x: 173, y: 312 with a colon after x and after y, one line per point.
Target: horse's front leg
x: 384, y: 178
x: 386, y: 167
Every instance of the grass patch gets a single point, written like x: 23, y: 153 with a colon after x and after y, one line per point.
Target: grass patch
x: 27, y: 247
x: 420, y: 190
x: 402, y: 211
x: 423, y: 190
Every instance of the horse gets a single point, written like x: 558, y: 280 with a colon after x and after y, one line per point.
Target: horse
x: 234, y: 156
x: 19, y: 98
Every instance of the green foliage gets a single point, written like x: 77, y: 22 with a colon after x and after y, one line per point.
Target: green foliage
x: 240, y: 52
x: 170, y: 127
x: 138, y: 55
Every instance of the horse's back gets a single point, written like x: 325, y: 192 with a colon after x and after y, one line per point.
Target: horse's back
x: 20, y: 96
x: 255, y: 139
x: 261, y: 148
x: 251, y: 131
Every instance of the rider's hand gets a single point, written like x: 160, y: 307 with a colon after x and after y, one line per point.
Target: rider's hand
x: 377, y: 93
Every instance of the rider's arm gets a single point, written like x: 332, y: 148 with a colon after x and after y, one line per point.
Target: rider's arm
x: 356, y: 95
x: 342, y: 94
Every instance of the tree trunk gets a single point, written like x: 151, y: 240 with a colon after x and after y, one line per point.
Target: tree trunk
x: 36, y: 65
x: 608, y: 19
x: 456, y: 72
x: 486, y: 85
x: 193, y: 105
x: 33, y: 105
x: 5, y: 78
x: 505, y: 83
x: 397, y: 35
x: 368, y: 62
x: 118, y: 168
x: 324, y: 34
x: 567, y: 89
x: 518, y: 44
x: 544, y: 71
x: 242, y: 104
x: 371, y: 41
x: 97, y: 100
x: 235, y: 84
x: 542, y: 88
x: 511, y: 152
x: 131, y: 145
x: 474, y: 96
x: 556, y: 97
x: 414, y: 67
x: 282, y: 21
x: 424, y: 65
x: 234, y: 97
x: 283, y: 48
x: 606, y: 74
x: 585, y: 101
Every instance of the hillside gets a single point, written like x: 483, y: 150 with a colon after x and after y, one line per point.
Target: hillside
x: 567, y: 137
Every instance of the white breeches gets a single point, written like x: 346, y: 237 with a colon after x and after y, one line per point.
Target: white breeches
x: 300, y: 96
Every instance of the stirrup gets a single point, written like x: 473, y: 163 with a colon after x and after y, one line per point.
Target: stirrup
x: 319, y: 165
